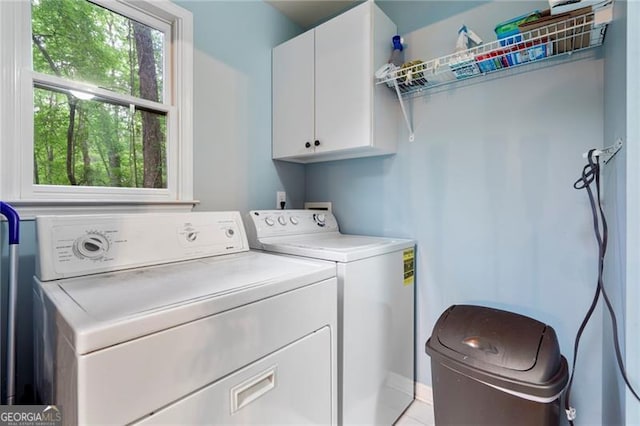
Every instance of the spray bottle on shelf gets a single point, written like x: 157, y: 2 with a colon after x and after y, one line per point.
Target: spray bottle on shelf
x: 397, y: 55
x: 395, y: 62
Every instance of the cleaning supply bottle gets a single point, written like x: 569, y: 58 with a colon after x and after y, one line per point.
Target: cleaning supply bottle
x: 397, y: 56
x: 467, y: 39
x: 463, y: 39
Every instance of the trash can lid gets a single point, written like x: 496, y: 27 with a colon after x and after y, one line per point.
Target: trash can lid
x: 496, y: 337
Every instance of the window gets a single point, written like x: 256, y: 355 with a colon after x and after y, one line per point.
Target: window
x: 97, y: 105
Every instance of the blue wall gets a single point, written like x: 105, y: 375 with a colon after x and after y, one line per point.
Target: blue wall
x: 615, y: 201
x: 233, y: 169
x: 24, y: 321
x: 631, y: 294
x: 486, y: 190
x: 622, y: 207
x: 410, y: 15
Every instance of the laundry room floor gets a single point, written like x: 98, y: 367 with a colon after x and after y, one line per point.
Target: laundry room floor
x: 419, y: 413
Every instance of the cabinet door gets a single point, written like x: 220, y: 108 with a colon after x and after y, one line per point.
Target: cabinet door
x: 293, y: 97
x: 344, y: 80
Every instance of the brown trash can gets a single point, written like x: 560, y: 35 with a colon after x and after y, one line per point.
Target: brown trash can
x: 493, y: 367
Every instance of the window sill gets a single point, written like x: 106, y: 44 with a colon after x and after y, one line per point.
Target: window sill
x: 28, y: 210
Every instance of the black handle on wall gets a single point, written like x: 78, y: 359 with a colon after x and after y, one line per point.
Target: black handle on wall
x: 307, y: 145
x: 317, y: 143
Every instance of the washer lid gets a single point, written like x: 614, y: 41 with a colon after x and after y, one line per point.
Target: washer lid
x: 107, y: 309
x: 335, y: 246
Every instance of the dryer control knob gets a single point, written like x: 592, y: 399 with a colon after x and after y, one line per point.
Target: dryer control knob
x: 269, y: 221
x: 93, y: 245
x: 294, y: 220
x: 282, y: 220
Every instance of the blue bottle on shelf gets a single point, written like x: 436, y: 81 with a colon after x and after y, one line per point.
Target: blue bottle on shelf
x: 397, y: 55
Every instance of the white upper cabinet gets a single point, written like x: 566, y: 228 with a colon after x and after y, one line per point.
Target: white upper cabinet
x: 293, y: 100
x: 326, y: 105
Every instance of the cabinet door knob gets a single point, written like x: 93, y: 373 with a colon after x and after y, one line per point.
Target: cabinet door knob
x: 317, y: 143
x: 307, y: 145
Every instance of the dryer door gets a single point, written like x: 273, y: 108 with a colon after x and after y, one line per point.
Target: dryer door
x: 290, y: 386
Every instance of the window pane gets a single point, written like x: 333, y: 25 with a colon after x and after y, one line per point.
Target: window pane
x: 95, y: 142
x: 81, y: 41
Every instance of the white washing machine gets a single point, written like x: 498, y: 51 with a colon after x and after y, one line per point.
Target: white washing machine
x: 375, y: 307
x: 171, y: 319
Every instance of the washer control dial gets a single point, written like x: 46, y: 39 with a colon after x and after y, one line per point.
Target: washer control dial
x: 319, y: 218
x: 282, y: 220
x: 269, y: 221
x: 93, y: 245
x: 294, y: 220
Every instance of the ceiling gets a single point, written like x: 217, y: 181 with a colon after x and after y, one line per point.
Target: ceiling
x: 408, y: 15
x: 309, y: 13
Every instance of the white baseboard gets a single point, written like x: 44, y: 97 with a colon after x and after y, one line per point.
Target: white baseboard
x: 424, y: 393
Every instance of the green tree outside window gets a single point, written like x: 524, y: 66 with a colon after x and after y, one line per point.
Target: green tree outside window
x: 82, y: 140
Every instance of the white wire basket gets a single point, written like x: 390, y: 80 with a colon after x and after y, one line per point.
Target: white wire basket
x: 543, y: 39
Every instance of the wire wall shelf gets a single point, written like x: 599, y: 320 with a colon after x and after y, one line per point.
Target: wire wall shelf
x: 549, y: 37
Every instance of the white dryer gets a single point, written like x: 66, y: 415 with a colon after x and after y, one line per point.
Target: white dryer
x: 375, y: 307
x: 171, y: 319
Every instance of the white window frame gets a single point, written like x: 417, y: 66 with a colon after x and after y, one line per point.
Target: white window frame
x: 16, y: 114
